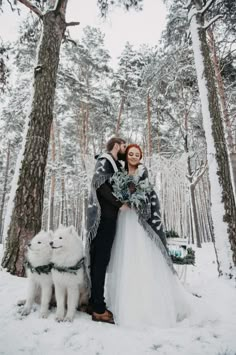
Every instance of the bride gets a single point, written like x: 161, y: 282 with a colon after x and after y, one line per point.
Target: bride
x: 142, y: 285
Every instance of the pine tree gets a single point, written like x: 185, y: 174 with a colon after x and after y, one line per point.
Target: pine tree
x: 28, y: 202
x: 4, y: 71
x: 83, y: 114
x: 221, y: 188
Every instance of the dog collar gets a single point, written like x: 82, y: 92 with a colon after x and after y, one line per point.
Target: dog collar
x: 43, y: 269
x: 70, y: 269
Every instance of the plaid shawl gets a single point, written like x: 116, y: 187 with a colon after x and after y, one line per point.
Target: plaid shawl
x: 150, y: 219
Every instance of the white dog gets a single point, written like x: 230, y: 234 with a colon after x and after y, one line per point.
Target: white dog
x: 38, y: 269
x: 68, y: 272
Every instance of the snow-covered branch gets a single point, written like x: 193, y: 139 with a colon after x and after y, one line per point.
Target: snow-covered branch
x: 213, y: 20
x: 200, y: 174
x: 72, y: 24
x: 206, y: 7
x: 66, y: 39
x: 32, y: 7
x: 189, y: 3
x: 192, y: 12
x: 12, y: 9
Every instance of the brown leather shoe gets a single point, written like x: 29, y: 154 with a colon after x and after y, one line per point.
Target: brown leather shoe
x: 106, y: 317
x: 89, y: 309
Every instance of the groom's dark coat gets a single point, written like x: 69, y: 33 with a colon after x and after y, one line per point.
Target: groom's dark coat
x: 101, y: 227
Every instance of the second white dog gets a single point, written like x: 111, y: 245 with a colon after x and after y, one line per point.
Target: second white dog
x: 68, y: 272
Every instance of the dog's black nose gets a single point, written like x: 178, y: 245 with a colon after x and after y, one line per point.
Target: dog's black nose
x: 51, y: 243
x: 29, y: 244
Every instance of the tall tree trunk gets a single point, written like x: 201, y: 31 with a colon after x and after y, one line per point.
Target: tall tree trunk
x: 28, y: 202
x: 78, y: 213
x: 83, y: 130
x: 53, y: 180
x: 87, y: 118
x: 195, y: 221
x: 207, y: 215
x: 122, y: 103
x: 63, y: 189
x: 85, y: 197
x: 223, y: 204
x: 66, y: 212
x: 225, y: 112
x: 194, y: 208
x: 158, y: 136
x: 4, y: 190
x: 191, y: 225
x: 149, y: 124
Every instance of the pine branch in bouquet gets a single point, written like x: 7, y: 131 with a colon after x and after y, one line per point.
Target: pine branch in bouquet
x: 129, y: 189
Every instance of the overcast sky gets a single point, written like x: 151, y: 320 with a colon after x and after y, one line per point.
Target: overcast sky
x: 119, y: 27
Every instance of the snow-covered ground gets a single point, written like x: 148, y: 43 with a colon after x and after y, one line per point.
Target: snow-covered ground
x: 213, y: 333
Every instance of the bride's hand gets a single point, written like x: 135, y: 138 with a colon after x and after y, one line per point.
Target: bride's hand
x: 124, y: 207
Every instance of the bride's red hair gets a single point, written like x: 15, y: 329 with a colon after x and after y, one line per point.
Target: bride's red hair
x: 133, y: 146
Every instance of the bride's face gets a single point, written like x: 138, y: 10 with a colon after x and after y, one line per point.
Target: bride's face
x: 133, y: 157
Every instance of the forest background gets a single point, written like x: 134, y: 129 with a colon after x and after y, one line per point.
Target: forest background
x: 175, y: 98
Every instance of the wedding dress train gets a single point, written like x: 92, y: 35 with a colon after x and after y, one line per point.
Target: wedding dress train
x: 141, y: 287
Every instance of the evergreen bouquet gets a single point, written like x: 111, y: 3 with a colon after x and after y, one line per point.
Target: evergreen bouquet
x: 130, y: 189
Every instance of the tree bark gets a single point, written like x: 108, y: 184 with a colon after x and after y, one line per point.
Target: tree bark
x: 28, y: 202
x: 225, y: 112
x: 194, y: 207
x: 119, y: 114
x: 4, y: 190
x: 158, y: 136
x: 86, y: 137
x: 207, y: 214
x: 63, y: 187
x: 149, y: 124
x: 195, y: 219
x: 53, y: 180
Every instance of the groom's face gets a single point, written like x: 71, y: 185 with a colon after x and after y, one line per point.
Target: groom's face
x: 121, y: 152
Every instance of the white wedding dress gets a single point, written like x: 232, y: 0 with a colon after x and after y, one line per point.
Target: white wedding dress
x: 141, y: 289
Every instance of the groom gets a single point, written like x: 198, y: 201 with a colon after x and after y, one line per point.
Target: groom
x: 101, y: 224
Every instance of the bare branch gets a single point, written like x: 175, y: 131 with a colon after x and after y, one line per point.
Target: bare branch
x: 72, y: 24
x: 12, y: 8
x: 188, y: 5
x: 213, y: 20
x: 66, y: 38
x: 206, y: 7
x: 32, y: 7
x: 204, y: 168
x: 72, y: 41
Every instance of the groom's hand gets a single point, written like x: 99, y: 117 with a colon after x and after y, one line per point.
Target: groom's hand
x: 124, y: 207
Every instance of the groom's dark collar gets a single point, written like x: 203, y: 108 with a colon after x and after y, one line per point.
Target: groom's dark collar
x: 98, y: 155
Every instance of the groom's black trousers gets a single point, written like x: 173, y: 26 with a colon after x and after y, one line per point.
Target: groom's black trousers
x: 100, y: 252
